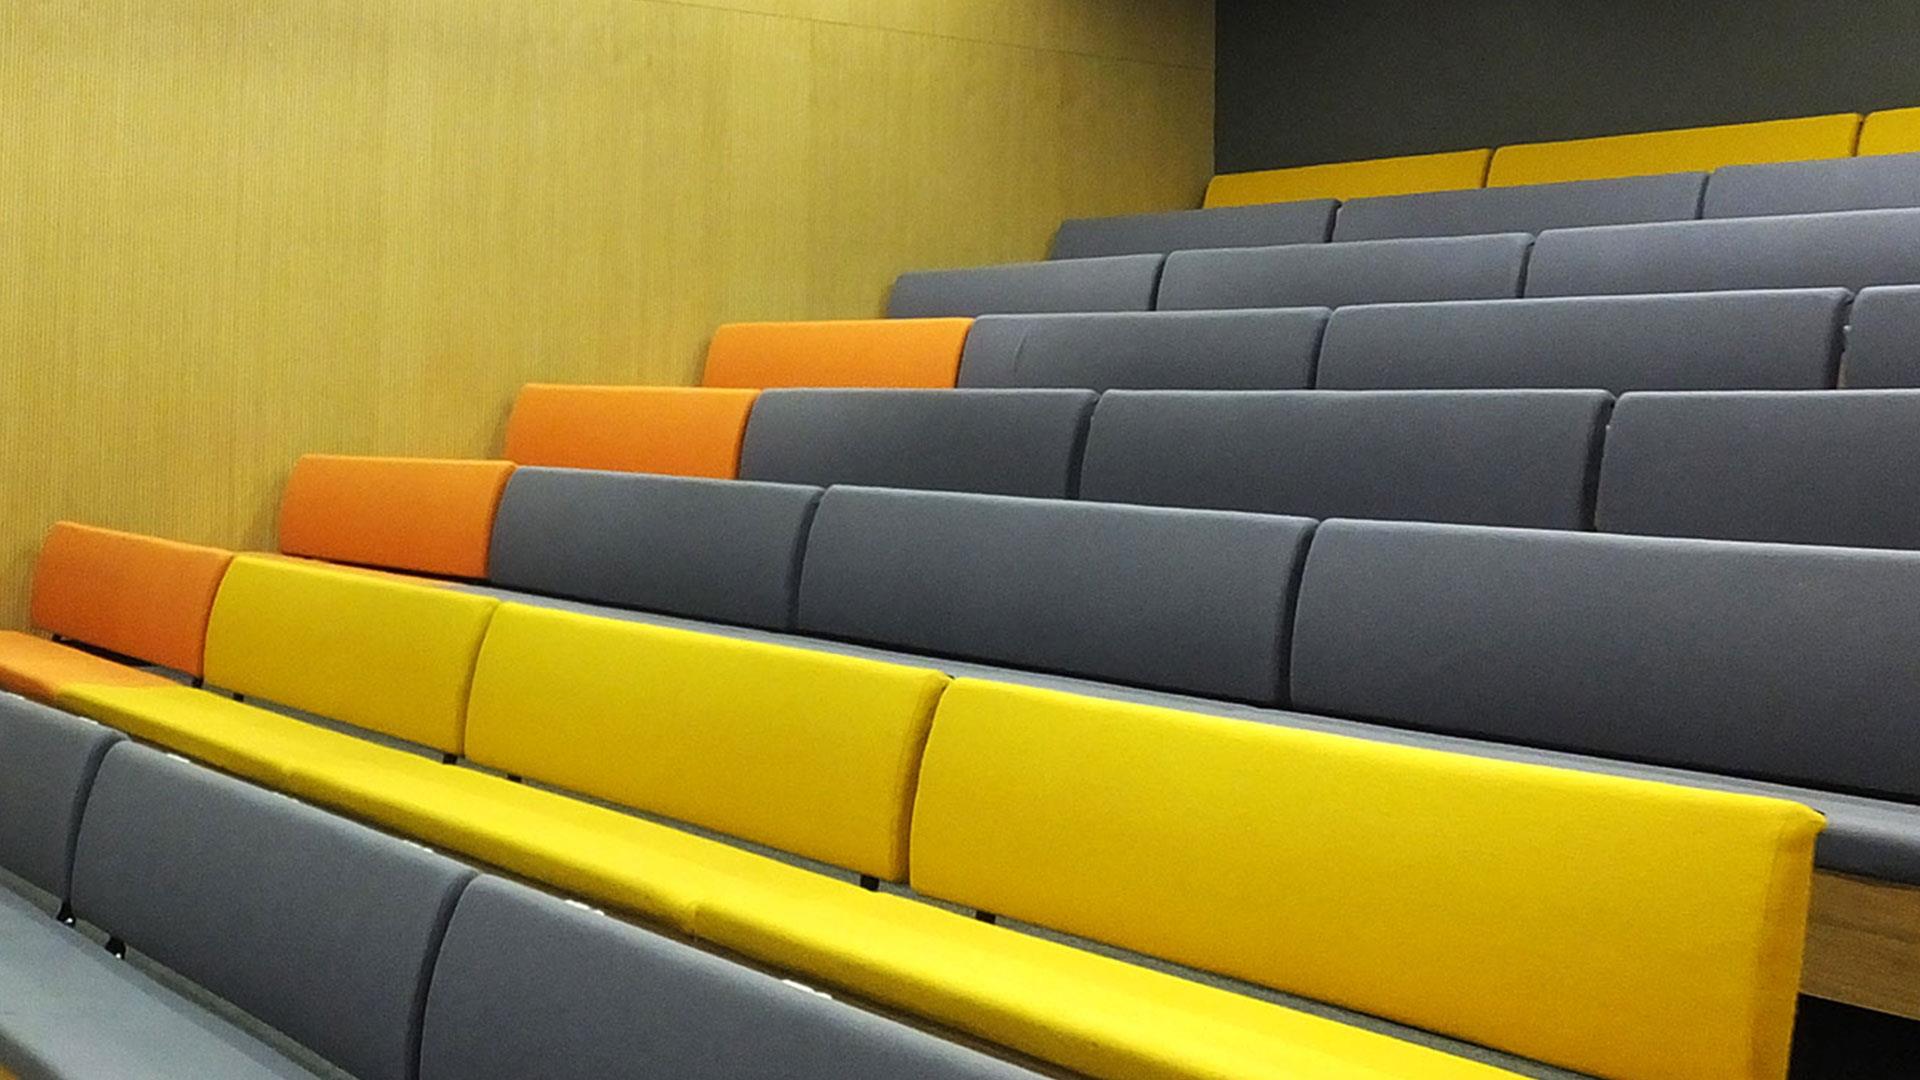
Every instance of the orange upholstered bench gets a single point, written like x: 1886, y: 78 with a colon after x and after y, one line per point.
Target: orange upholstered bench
x: 134, y: 596
x: 893, y: 353
x: 417, y: 514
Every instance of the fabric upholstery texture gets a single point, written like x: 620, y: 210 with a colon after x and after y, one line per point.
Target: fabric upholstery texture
x: 1883, y: 343
x: 1362, y: 272
x: 680, y: 430
x: 51, y: 758
x: 1488, y: 457
x: 37, y: 668
x: 1006, y: 442
x: 1303, y: 222
x: 364, y: 649
x: 1531, y: 208
x: 529, y: 986
x: 718, y: 549
x: 1116, y: 283
x: 1891, y: 131
x: 1254, y: 349
x: 1192, y: 600
x: 855, y: 352
x: 1775, y: 662
x: 182, y: 864
x: 1838, y: 467
x: 1814, y: 187
x: 1352, y: 179
x: 1847, y: 250
x: 134, y: 595
x: 417, y: 514
x: 1757, y: 340
x: 1679, y: 150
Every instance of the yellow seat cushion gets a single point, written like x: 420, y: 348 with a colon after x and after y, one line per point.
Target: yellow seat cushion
x: 1682, y: 150
x: 1891, y: 131
x: 34, y: 667
x: 798, y: 749
x: 1092, y: 1014
x: 1352, y: 179
x: 241, y: 739
x: 368, y: 650
x: 1612, y: 926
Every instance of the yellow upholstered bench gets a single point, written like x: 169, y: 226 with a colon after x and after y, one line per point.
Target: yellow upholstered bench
x: 1891, y: 131
x: 1352, y: 179
x: 1622, y: 928
x: 1681, y: 150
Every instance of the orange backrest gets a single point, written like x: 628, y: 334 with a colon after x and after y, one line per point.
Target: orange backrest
x: 135, y: 595
x: 903, y: 353
x: 682, y: 430
x: 418, y: 514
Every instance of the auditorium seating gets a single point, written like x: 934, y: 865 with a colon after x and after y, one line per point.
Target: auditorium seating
x: 1252, y: 349
x: 1492, y: 457
x: 428, y: 516
x: 1684, y: 149
x: 1814, y: 187
x: 1758, y: 340
x: 1837, y: 467
x: 1008, y: 442
x: 1891, y: 131
x: 1352, y: 179
x: 1849, y: 250
x: 1115, y: 283
x: 1531, y: 208
x: 682, y: 430
x: 1303, y: 222
x: 1883, y: 342
x: 852, y: 352
x: 1332, y: 275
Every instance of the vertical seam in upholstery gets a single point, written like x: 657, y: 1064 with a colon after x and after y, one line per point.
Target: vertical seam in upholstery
x: 1839, y: 342
x: 1077, y: 453
x: 797, y: 561
x: 1313, y: 354
x: 1289, y: 618
x: 82, y: 796
x: 916, y: 763
x: 429, y: 967
x: 1159, y: 275
x: 1601, y: 428
x: 1526, y: 265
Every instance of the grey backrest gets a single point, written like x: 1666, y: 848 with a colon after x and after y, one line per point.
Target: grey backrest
x: 1330, y: 275
x: 319, y: 927
x: 1833, y: 467
x: 1815, y: 187
x: 1852, y: 250
x: 1006, y: 442
x: 1760, y: 340
x: 1489, y: 457
x: 1759, y: 660
x: 1528, y: 208
x: 47, y: 763
x: 1261, y: 225
x: 529, y: 986
x: 710, y: 549
x: 1192, y: 600
x: 1118, y: 283
x: 1253, y: 349
x: 1883, y: 344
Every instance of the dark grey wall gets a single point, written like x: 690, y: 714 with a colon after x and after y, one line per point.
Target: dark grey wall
x: 1305, y: 81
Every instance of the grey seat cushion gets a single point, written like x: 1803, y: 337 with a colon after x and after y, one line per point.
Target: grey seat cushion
x: 1253, y: 349
x: 72, y: 1012
x: 1836, y: 467
x: 529, y: 986
x: 1871, y: 837
x: 1754, y: 340
x: 47, y: 764
x: 1766, y: 661
x: 1304, y: 222
x: 1118, y: 283
x: 1852, y: 250
x: 1007, y: 442
x: 1178, y: 599
x: 715, y: 549
x: 1814, y: 187
x: 323, y: 929
x: 1332, y: 275
x: 1883, y: 344
x: 1529, y: 208
x: 1492, y: 457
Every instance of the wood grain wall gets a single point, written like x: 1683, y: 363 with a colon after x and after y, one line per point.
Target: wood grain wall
x: 232, y: 231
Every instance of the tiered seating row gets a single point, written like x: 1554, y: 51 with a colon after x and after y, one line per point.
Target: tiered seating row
x: 1703, y: 149
x: 1257, y: 852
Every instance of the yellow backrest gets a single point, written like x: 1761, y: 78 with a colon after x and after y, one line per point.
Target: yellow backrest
x: 1623, y: 928
x: 1352, y: 179
x: 1682, y: 150
x: 1891, y: 131
x: 366, y: 649
x: 797, y: 749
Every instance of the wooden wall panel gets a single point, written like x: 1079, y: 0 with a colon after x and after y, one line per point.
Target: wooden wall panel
x: 233, y: 232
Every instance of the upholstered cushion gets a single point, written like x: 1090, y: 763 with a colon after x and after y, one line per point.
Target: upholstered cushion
x: 1703, y: 148
x: 1254, y: 349
x: 1883, y: 343
x: 1304, y: 222
x: 1331, y: 275
x: 1352, y: 179
x: 1813, y: 187
x: 426, y: 516
x: 1530, y: 209
x: 51, y: 758
x: 138, y: 596
x: 852, y: 352
x: 679, y: 430
x: 1117, y: 283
